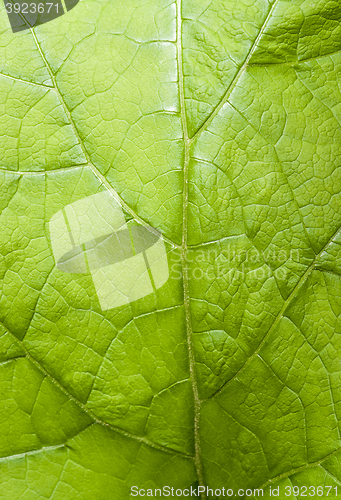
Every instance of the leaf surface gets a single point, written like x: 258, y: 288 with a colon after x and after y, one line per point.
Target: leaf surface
x: 218, y: 123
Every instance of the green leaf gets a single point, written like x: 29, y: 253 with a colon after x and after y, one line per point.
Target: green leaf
x: 217, y: 123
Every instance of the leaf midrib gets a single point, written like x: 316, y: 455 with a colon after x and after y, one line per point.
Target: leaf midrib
x: 188, y: 142
x: 191, y: 356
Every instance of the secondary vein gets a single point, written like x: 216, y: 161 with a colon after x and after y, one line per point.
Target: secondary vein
x: 237, y: 77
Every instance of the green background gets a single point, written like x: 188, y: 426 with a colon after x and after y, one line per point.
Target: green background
x: 218, y: 123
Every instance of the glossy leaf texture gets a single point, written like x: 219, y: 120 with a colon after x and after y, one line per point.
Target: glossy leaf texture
x: 217, y: 122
